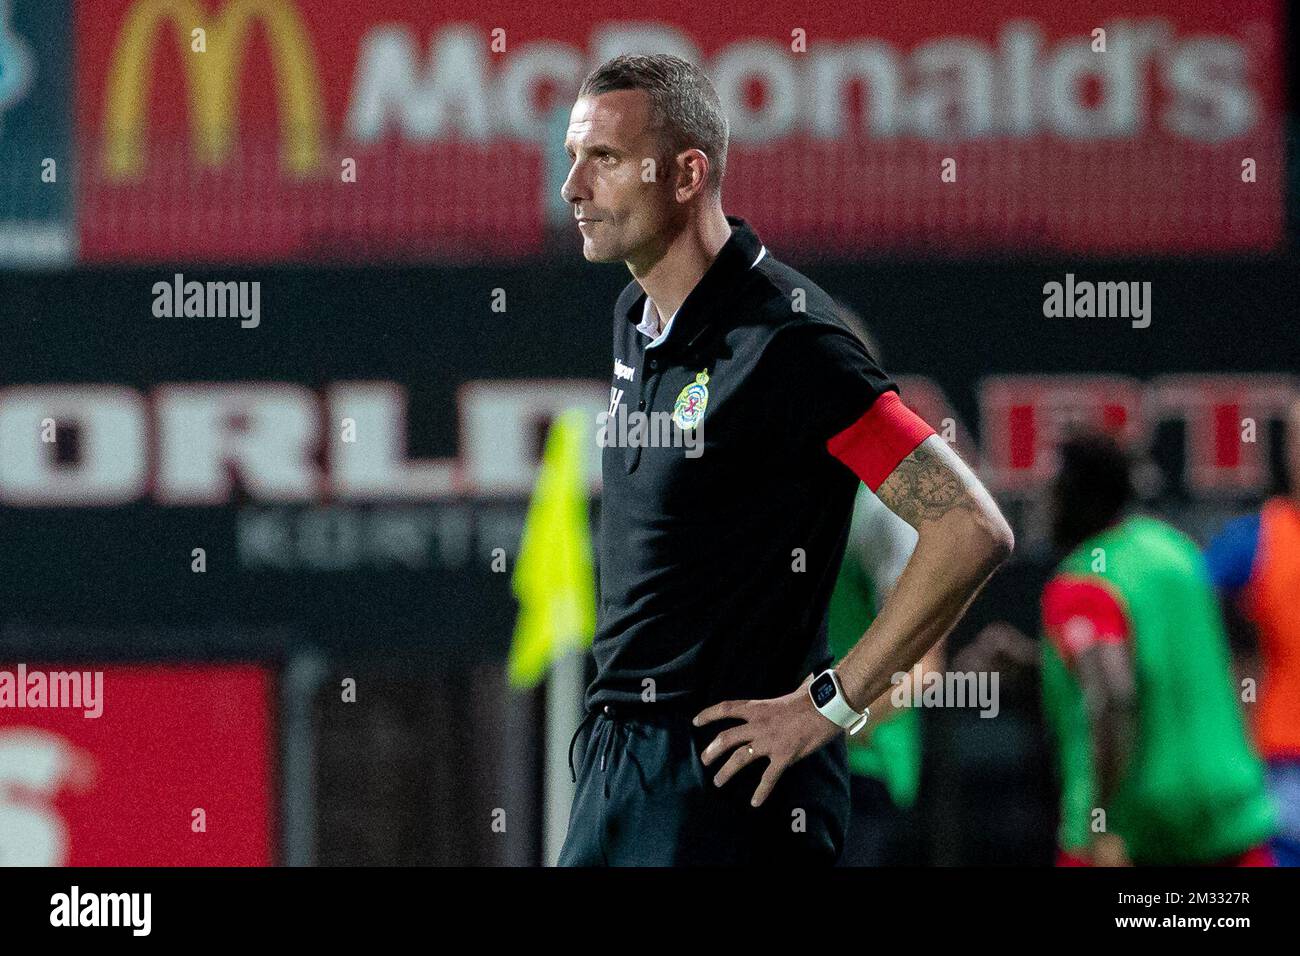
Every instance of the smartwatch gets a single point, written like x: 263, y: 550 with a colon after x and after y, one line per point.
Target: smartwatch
x: 828, y: 697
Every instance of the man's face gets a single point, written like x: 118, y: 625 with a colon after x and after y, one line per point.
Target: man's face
x: 621, y: 215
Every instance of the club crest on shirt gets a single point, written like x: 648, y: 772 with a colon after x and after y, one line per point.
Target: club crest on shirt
x: 688, y: 410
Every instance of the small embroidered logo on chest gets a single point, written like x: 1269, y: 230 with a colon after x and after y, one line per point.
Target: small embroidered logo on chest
x: 688, y: 410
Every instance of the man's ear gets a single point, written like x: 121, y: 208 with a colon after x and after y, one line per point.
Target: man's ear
x: 692, y: 168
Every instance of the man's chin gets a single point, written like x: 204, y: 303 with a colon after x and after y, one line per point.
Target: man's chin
x: 594, y: 253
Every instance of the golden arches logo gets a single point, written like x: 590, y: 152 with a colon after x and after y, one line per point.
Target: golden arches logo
x: 213, y: 82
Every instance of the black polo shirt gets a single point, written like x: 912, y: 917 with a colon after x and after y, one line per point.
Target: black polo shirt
x: 716, y: 570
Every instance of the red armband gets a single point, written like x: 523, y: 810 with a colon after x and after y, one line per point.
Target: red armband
x: 874, y: 445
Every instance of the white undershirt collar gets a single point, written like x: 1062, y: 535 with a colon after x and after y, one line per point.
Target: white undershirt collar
x: 650, y: 315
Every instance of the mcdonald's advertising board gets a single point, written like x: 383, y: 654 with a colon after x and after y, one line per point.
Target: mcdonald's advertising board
x: 281, y: 129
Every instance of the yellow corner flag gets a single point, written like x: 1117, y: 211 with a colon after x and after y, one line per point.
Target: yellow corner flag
x: 555, y: 579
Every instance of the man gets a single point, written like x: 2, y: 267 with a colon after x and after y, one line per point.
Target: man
x: 1255, y: 563
x: 716, y: 567
x: 1154, y: 761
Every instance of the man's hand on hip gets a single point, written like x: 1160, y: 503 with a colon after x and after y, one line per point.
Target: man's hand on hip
x: 783, y: 729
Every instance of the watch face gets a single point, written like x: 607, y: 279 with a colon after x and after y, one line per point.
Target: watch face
x: 823, y: 690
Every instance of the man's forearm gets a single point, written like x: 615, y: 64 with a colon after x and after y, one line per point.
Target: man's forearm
x: 1110, y: 698
x: 1113, y: 733
x: 961, y: 540
x: 883, y: 707
x: 932, y: 593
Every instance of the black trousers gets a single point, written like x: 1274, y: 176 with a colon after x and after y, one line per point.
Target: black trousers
x: 645, y: 798
x: 881, y: 833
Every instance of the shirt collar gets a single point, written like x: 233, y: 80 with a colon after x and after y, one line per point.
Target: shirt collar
x: 738, y: 255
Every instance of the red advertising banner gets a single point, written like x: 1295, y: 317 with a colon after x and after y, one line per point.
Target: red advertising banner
x: 268, y: 129
x: 135, y: 766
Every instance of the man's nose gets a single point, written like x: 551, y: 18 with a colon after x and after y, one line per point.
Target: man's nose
x: 574, y: 189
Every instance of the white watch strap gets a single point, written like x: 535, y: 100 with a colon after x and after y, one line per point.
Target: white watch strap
x: 838, y: 711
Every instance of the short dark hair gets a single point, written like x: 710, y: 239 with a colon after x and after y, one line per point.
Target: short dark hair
x: 1093, y: 487
x: 684, y: 106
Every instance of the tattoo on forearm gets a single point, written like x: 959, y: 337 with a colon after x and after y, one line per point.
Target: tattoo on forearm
x: 924, y: 488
